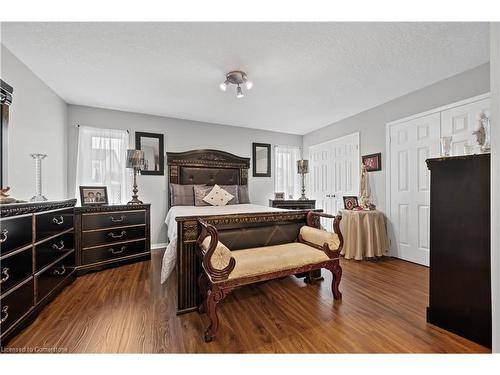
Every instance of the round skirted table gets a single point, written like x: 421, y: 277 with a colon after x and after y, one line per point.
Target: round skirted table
x: 365, y: 234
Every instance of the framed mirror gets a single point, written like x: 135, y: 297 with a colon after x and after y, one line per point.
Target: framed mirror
x: 152, y: 145
x: 261, y: 159
x: 5, y: 100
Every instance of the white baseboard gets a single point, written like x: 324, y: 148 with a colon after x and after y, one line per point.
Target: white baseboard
x: 158, y: 245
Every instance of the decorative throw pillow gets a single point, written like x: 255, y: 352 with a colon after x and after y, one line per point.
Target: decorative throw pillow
x: 201, y: 192
x: 243, y: 194
x: 181, y: 195
x: 218, y: 196
x: 233, y: 190
x: 220, y: 257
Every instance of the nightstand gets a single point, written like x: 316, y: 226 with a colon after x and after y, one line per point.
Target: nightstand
x: 111, y: 235
x: 293, y: 204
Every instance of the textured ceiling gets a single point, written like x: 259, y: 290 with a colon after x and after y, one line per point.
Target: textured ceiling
x: 306, y: 75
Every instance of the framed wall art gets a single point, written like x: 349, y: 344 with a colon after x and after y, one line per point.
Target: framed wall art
x: 373, y: 162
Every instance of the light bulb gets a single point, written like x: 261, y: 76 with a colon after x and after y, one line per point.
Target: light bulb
x: 248, y: 84
x: 223, y: 86
x: 239, y: 92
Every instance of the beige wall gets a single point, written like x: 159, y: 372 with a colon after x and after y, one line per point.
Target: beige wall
x: 180, y: 135
x: 371, y: 123
x: 37, y: 125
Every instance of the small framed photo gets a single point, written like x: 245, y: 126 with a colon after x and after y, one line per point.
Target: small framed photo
x: 152, y: 145
x: 372, y: 162
x: 93, y: 195
x: 350, y: 202
x: 279, y: 195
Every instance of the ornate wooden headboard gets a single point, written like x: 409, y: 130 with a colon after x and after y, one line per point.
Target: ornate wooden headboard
x: 207, y: 167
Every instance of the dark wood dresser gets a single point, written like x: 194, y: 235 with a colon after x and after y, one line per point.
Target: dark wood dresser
x: 460, y: 283
x: 293, y: 204
x: 37, y: 259
x: 109, y: 236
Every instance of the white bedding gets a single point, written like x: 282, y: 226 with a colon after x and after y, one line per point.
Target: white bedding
x: 169, y: 258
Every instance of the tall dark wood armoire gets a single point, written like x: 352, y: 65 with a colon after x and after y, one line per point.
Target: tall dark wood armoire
x: 460, y: 283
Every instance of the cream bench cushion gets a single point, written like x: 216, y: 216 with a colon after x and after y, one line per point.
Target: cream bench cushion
x: 320, y: 237
x: 267, y: 259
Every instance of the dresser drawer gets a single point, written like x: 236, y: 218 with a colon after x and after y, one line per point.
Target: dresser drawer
x: 104, y: 253
x: 14, y: 305
x: 49, y: 251
x: 113, y: 235
x: 52, y: 223
x: 52, y: 277
x: 112, y: 219
x: 15, y: 233
x: 15, y: 268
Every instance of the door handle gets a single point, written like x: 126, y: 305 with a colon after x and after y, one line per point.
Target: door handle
x: 3, y: 235
x: 112, y: 235
x: 60, y: 247
x: 60, y: 272
x: 5, y: 314
x: 58, y: 221
x: 5, y: 275
x: 113, y: 251
x: 119, y: 220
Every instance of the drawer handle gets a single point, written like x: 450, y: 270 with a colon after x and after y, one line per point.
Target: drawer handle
x: 3, y: 235
x: 119, y: 220
x: 5, y: 311
x: 61, y: 272
x: 113, y: 251
x: 58, y: 221
x: 112, y: 235
x: 5, y: 275
x: 60, y: 247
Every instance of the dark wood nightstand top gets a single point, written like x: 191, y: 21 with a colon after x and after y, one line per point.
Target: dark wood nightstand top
x: 294, y: 204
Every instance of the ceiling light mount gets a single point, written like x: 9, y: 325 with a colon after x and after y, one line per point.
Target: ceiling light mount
x: 237, y: 78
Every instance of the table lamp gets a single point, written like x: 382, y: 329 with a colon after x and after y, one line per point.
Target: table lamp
x: 135, y: 160
x: 302, y: 169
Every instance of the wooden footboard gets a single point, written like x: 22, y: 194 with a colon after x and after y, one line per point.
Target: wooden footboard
x: 236, y: 231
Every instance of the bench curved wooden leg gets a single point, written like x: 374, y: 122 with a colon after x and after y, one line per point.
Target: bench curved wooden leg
x: 336, y: 277
x: 202, y: 286
x: 215, y: 295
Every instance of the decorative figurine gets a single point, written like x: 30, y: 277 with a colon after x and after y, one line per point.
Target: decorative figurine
x: 364, y: 190
x: 482, y: 132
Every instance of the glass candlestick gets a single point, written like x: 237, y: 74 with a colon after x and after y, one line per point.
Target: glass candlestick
x: 445, y: 146
x: 38, y: 197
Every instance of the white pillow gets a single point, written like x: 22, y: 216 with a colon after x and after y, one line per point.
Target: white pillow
x: 218, y: 196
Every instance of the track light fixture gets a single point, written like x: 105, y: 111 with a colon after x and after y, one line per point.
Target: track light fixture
x: 237, y: 78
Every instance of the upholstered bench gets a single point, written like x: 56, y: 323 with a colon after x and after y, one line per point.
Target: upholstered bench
x: 223, y: 269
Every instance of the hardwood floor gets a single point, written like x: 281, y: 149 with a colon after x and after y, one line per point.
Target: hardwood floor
x: 126, y: 310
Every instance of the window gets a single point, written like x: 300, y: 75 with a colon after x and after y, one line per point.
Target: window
x: 286, y: 178
x: 101, y: 161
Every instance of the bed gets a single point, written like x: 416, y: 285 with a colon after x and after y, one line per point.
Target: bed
x: 240, y: 226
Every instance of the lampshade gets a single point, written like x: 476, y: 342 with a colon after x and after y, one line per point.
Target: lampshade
x: 135, y: 159
x: 302, y: 166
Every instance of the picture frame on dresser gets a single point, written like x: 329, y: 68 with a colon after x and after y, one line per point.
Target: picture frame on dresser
x: 93, y: 195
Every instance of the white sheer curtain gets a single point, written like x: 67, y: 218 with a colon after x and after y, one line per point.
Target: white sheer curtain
x: 286, y: 178
x: 101, y: 161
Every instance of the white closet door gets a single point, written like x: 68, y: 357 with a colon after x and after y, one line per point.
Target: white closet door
x: 335, y: 169
x: 411, y: 143
x: 460, y: 122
